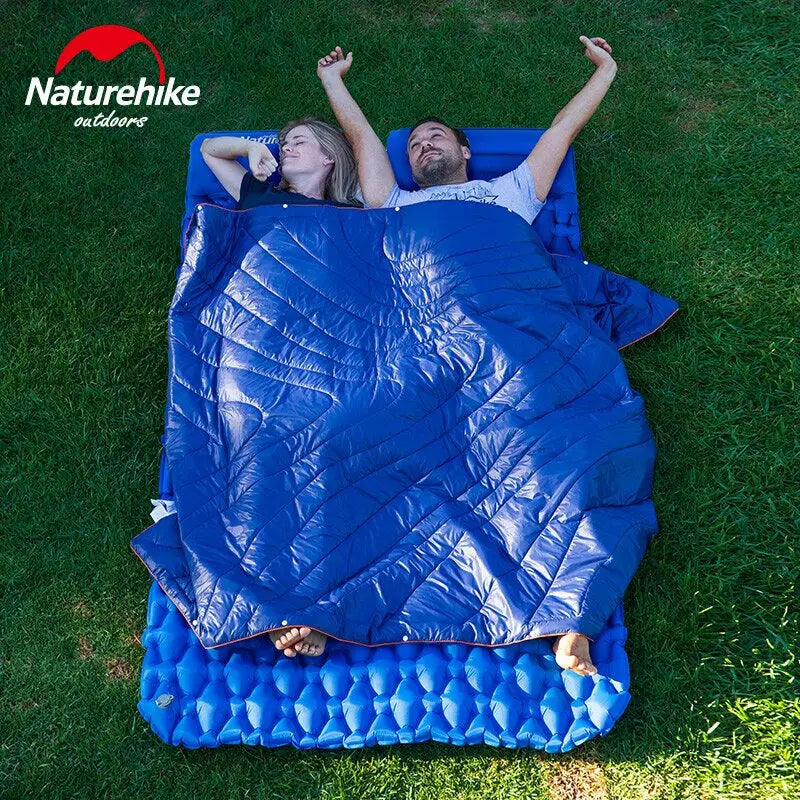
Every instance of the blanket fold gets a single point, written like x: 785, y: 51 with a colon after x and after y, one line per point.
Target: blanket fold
x: 400, y: 425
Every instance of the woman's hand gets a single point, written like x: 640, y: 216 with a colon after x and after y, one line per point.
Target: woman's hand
x: 262, y: 162
x: 334, y: 65
x: 598, y: 51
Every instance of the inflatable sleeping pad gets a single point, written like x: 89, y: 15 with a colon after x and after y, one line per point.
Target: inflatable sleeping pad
x: 412, y: 429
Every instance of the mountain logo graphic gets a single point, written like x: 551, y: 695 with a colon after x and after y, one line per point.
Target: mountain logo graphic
x: 105, y: 43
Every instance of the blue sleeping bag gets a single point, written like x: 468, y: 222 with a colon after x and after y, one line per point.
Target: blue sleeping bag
x: 402, y: 425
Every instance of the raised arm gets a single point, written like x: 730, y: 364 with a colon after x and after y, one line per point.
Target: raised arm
x: 221, y: 152
x: 375, y: 172
x: 546, y: 157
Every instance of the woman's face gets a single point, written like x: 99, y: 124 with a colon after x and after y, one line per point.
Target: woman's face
x: 302, y: 154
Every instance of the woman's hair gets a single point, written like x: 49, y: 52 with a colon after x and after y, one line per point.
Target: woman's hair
x: 341, y: 184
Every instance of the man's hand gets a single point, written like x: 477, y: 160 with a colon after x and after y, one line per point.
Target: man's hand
x: 334, y: 65
x: 375, y: 173
x: 262, y: 162
x: 546, y: 157
x: 598, y: 51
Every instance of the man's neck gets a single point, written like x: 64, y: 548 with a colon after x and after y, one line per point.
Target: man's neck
x: 462, y: 178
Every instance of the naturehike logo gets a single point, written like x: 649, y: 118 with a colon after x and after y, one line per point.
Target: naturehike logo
x: 105, y: 43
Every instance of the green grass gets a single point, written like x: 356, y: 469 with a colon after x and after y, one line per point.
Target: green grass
x: 686, y: 175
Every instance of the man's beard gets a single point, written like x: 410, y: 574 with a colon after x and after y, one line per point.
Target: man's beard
x: 436, y: 171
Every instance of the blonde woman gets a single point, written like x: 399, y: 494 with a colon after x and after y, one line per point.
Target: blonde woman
x: 316, y: 166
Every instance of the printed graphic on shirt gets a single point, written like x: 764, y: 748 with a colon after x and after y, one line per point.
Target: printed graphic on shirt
x: 478, y: 194
x: 513, y: 190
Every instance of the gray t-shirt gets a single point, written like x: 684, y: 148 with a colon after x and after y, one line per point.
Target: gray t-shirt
x: 514, y: 191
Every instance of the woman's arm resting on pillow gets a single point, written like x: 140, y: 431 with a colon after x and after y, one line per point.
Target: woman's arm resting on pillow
x: 221, y: 152
x: 375, y: 173
x: 546, y: 157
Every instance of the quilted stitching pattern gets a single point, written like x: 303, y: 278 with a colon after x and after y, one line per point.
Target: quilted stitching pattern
x: 394, y: 426
x: 353, y: 696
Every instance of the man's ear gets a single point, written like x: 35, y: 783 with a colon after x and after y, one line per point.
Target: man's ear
x: 467, y: 152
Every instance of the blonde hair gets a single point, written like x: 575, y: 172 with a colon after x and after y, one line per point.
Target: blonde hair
x: 341, y: 184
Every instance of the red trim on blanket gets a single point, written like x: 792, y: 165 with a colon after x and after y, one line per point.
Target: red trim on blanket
x: 243, y: 210
x: 652, y: 331
x: 324, y: 633
x: 657, y: 328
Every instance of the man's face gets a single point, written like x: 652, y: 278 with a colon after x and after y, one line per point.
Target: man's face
x: 435, y: 155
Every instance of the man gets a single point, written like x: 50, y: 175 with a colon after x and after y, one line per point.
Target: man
x: 438, y: 153
x: 438, y: 156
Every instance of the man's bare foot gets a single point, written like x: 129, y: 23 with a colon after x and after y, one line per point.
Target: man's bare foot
x: 286, y: 639
x: 312, y: 645
x: 572, y: 652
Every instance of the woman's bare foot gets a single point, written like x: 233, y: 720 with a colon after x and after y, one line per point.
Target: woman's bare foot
x: 312, y: 645
x: 286, y: 639
x: 572, y: 652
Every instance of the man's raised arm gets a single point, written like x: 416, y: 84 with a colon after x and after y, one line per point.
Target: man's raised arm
x: 375, y: 172
x: 546, y: 157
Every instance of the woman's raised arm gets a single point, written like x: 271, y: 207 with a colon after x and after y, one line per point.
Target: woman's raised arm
x: 221, y: 152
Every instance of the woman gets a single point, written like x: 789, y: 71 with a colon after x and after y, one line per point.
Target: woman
x: 317, y: 166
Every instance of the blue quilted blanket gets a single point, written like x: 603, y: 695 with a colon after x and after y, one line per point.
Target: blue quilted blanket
x: 400, y: 425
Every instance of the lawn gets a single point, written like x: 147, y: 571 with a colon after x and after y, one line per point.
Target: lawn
x: 685, y: 178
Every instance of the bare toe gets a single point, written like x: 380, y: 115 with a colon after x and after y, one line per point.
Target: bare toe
x: 287, y: 638
x: 284, y: 638
x: 276, y: 636
x: 315, y: 641
x: 295, y: 635
x: 572, y: 652
x: 311, y: 645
